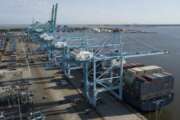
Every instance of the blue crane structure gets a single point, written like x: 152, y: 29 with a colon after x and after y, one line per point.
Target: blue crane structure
x: 48, y: 27
x: 102, y: 66
x: 44, y: 34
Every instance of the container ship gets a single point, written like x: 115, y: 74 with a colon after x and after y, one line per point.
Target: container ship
x: 147, y: 87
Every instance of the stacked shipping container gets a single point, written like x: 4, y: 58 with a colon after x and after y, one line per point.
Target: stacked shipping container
x: 147, y: 87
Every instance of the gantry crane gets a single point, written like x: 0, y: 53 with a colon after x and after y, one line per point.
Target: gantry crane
x: 44, y: 34
x: 100, y: 72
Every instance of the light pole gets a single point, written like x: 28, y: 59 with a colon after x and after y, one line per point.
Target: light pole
x: 19, y: 106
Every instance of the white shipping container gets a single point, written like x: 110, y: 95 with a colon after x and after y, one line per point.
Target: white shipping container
x: 151, y: 69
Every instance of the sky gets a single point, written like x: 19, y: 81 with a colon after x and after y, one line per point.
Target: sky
x: 92, y: 11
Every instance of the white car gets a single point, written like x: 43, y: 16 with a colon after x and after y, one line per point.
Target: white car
x: 2, y: 117
x: 36, y: 116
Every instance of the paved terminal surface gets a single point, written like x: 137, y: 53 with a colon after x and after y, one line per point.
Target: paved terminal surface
x: 59, y: 99
x: 111, y: 108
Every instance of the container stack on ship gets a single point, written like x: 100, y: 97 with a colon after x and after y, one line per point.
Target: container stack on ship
x: 147, y: 88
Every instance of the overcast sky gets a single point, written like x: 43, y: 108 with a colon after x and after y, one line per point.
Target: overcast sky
x: 92, y: 11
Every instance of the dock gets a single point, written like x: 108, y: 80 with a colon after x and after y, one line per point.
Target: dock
x: 55, y: 95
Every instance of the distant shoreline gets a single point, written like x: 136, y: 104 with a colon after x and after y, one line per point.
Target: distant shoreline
x: 22, y: 26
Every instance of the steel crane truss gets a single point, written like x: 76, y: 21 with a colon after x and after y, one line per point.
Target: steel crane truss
x: 99, y: 74
x: 70, y: 63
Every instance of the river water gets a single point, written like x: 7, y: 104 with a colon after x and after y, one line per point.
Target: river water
x: 158, y: 38
x: 166, y: 38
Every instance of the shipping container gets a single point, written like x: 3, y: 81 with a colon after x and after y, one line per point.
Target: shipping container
x: 145, y: 85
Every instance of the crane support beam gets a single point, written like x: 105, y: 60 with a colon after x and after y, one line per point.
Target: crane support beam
x: 131, y: 55
x: 143, y: 54
x: 55, y: 17
x: 95, y: 46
